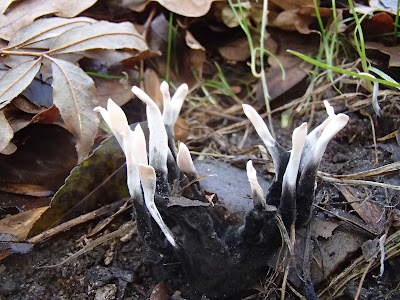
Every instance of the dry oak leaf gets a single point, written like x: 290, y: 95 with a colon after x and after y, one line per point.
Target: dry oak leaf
x: 23, y: 13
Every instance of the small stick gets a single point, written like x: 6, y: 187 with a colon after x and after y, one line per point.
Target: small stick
x: 124, y: 229
x: 71, y: 223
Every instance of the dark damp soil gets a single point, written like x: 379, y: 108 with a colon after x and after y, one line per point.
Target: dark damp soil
x: 129, y: 274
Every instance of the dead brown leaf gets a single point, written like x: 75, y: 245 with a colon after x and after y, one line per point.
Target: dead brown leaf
x: 41, y: 33
x: 73, y: 93
x: 20, y: 224
x: 67, y: 40
x: 393, y: 52
x: 47, y: 116
x: 188, y: 8
x: 114, y: 89
x: 100, y: 35
x: 291, y: 20
x: 238, y: 50
x: 26, y: 189
x: 26, y: 106
x: 17, y: 79
x: 296, y: 69
x: 293, y: 4
x: 23, y: 13
x: 323, y: 227
x: 181, y: 130
x: 369, y: 211
x: 152, y: 86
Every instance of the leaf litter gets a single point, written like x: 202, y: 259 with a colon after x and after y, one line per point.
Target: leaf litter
x: 60, y: 44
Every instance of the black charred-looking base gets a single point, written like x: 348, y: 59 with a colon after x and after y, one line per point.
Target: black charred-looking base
x: 219, y: 259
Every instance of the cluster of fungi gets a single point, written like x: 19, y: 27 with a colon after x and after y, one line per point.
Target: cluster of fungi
x: 219, y: 259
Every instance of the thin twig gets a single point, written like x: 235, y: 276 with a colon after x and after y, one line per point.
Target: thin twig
x: 74, y: 222
x: 123, y: 230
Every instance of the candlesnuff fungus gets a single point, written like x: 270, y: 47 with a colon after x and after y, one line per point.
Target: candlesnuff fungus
x: 220, y: 259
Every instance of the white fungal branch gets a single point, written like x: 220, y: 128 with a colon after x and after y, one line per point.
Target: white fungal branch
x: 158, y: 141
x: 133, y: 179
x: 167, y: 113
x: 148, y: 178
x: 115, y: 118
x: 259, y: 126
x: 315, y: 146
x: 336, y: 124
x: 133, y: 143
x: 258, y: 194
x: 292, y: 169
x: 177, y: 101
x: 329, y: 109
x: 172, y: 107
x: 139, y: 142
x: 263, y: 132
x: 185, y: 162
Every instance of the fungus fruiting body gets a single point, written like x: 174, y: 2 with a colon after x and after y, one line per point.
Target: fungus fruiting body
x: 219, y: 258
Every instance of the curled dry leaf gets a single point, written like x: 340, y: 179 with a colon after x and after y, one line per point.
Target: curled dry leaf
x: 100, y: 35
x: 41, y: 33
x: 73, y: 90
x: 17, y: 79
x: 23, y: 13
x: 73, y: 93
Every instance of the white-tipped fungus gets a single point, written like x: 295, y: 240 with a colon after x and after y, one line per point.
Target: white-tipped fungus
x: 139, y: 142
x: 115, y: 118
x: 258, y: 194
x: 148, y: 178
x: 298, y: 140
x: 158, y: 140
x: 259, y: 125
x: 334, y: 126
x: 185, y: 162
x: 172, y: 107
